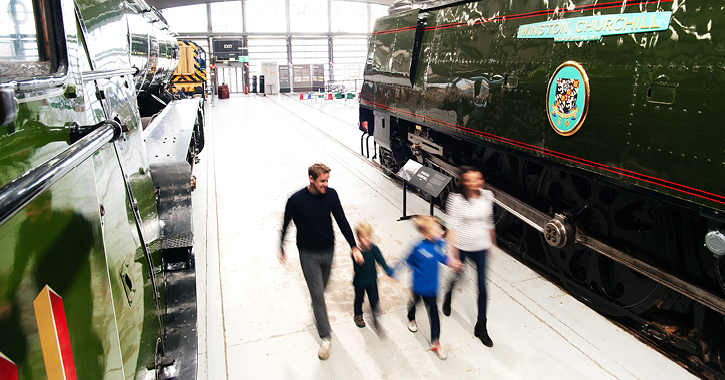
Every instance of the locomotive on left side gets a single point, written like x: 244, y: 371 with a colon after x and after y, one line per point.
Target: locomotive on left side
x: 97, y: 275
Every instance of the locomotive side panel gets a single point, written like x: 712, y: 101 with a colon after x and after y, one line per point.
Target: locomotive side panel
x: 130, y: 163
x: 597, y: 121
x: 128, y: 269
x: 677, y: 115
x: 57, y: 241
x: 91, y: 233
x: 481, y: 80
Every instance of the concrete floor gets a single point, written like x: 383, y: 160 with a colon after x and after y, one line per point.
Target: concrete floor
x: 255, y: 318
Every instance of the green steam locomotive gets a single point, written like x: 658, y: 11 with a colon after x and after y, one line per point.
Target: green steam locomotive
x: 597, y: 125
x: 96, y: 242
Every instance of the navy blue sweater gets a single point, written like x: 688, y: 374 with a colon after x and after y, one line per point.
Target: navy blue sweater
x: 311, y: 214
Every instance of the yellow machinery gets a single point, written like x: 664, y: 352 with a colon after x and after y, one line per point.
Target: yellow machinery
x: 190, y: 74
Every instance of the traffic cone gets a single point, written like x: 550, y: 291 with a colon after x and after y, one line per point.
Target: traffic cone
x: 329, y: 96
x: 302, y: 96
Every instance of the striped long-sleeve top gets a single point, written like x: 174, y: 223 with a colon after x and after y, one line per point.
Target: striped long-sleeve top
x: 471, y: 220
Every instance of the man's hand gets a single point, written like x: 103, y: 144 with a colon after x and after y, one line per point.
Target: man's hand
x: 282, y: 258
x: 357, y: 256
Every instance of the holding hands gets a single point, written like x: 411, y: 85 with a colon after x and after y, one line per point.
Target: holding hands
x: 455, y: 264
x: 357, y: 256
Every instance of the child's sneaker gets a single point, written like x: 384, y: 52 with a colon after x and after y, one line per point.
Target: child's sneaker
x: 412, y: 326
x: 359, y: 321
x: 436, y: 348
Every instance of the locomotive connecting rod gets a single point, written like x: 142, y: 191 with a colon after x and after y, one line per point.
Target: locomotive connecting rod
x: 543, y: 222
x: 559, y: 232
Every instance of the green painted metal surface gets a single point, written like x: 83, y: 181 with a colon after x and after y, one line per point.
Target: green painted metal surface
x: 81, y: 237
x: 654, y: 117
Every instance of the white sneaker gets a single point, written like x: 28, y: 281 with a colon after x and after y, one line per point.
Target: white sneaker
x: 324, y: 351
x: 436, y: 348
x: 412, y: 326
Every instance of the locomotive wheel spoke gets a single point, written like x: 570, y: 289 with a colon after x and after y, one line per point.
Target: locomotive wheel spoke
x: 625, y: 220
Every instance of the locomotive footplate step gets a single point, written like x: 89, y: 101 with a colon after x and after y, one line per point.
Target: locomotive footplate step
x: 170, y: 141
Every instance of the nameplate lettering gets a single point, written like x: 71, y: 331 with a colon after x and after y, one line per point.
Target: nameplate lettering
x: 592, y: 28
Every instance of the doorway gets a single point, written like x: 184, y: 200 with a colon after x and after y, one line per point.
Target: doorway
x: 233, y: 77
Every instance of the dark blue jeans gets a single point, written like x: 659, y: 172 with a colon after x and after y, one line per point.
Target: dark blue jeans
x: 478, y: 258
x: 316, y: 266
x: 373, y: 297
x: 430, y: 304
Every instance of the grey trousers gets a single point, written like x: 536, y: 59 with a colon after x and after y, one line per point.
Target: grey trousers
x: 316, y: 265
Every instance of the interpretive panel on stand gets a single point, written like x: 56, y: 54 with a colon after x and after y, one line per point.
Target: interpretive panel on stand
x: 429, y: 180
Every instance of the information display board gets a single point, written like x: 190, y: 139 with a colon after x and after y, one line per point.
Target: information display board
x: 426, y: 179
x: 429, y: 180
x: 318, y: 77
x: 284, y: 83
x: 271, y: 77
x: 301, y: 78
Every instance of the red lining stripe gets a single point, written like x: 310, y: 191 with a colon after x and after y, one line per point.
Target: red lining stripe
x: 395, y: 30
x: 544, y: 12
x: 61, y: 326
x: 623, y: 172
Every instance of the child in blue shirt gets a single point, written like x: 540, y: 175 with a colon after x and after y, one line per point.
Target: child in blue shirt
x: 424, y: 261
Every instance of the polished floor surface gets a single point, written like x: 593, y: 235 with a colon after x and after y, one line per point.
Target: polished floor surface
x: 255, y: 318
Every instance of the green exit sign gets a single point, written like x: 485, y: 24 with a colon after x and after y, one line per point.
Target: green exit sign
x: 244, y: 58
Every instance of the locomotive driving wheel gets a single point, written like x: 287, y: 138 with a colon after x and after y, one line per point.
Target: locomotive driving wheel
x: 629, y: 222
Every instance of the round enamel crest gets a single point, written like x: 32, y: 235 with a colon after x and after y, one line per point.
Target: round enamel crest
x: 567, y: 99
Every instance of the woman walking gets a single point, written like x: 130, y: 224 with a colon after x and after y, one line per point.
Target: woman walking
x: 471, y: 235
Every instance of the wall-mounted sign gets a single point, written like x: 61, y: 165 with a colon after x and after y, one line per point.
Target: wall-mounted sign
x: 567, y: 99
x: 592, y: 28
x: 229, y: 50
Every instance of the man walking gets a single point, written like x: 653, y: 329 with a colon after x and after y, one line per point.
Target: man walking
x: 310, y: 209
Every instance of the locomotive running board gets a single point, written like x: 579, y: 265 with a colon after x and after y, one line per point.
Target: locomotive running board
x: 540, y: 221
